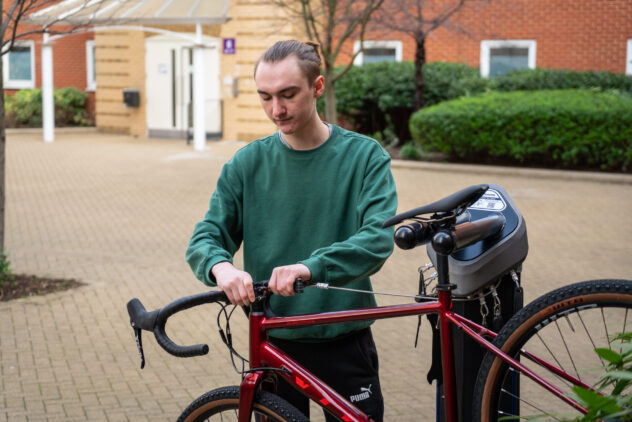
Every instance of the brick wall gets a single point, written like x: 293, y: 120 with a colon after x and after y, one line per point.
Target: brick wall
x: 69, y: 62
x: 570, y: 34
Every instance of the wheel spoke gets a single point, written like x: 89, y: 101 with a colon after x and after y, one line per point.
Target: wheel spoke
x: 605, y: 326
x: 570, y: 356
x: 559, y: 364
x: 533, y: 406
x: 560, y: 354
x: 594, y: 346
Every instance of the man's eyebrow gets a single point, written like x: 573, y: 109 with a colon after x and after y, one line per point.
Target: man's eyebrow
x: 289, y: 88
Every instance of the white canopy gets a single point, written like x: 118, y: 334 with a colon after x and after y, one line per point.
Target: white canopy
x: 135, y: 15
x: 137, y: 12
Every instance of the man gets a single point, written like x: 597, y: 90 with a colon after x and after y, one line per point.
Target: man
x: 308, y: 202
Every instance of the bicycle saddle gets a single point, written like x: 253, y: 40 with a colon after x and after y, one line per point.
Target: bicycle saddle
x: 461, y: 199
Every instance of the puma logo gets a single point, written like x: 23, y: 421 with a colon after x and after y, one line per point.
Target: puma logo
x: 365, y: 393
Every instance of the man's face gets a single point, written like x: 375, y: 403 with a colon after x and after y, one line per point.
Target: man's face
x: 286, y: 95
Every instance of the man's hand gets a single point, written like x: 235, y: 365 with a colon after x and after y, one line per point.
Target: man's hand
x: 282, y: 278
x: 235, y: 283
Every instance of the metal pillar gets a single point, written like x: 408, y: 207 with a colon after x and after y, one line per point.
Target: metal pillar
x: 48, y: 102
x: 199, y: 97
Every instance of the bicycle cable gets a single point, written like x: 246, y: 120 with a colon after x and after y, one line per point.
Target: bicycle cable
x: 227, y: 338
x: 485, y: 290
x: 326, y: 286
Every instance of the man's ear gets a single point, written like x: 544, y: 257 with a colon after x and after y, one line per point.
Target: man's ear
x: 319, y: 86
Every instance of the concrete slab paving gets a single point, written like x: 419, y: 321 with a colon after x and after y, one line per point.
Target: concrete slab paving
x: 117, y: 212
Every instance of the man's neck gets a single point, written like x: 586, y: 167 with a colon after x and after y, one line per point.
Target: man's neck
x: 310, y: 137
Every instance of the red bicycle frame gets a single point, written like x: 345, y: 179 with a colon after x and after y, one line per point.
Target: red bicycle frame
x: 264, y: 355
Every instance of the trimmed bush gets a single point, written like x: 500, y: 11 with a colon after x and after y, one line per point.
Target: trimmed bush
x: 538, y: 79
x: 409, y: 151
x: 24, y: 108
x: 377, y: 96
x: 562, y: 128
x: 70, y: 107
x: 447, y: 81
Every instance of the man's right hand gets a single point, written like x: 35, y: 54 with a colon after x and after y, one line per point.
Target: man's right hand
x: 235, y: 283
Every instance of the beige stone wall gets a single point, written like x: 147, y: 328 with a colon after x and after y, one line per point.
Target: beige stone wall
x: 119, y: 63
x: 255, y: 25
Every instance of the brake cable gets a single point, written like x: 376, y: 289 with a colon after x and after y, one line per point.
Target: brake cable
x: 326, y: 286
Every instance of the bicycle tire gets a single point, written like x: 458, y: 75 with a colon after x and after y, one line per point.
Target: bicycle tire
x: 591, y: 311
x: 222, y: 404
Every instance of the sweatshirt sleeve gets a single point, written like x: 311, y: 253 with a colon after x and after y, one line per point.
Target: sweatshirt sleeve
x: 363, y: 253
x: 218, y: 236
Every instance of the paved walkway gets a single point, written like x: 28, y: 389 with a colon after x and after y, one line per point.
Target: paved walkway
x: 117, y: 212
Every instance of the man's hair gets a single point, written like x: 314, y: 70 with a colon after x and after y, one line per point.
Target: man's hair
x: 305, y: 52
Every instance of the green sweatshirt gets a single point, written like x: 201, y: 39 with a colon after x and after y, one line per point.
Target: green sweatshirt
x: 322, y: 207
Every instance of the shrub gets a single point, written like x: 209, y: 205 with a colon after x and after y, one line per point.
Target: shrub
x: 567, y: 128
x: 5, y: 269
x: 24, y: 108
x: 380, y: 96
x: 70, y: 107
x: 368, y: 96
x: 611, y: 399
x: 447, y: 81
x: 409, y: 151
x: 538, y: 79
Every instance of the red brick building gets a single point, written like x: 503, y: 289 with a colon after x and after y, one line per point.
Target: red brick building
x: 73, y: 62
x: 561, y: 34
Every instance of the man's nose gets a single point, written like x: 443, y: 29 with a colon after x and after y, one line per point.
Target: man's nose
x: 278, y: 109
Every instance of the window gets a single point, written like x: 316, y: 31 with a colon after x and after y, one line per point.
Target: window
x: 499, y: 57
x: 19, y: 66
x: 91, y: 76
x: 378, y: 51
x: 628, y: 63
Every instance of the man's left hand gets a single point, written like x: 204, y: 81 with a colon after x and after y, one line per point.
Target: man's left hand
x: 283, y: 278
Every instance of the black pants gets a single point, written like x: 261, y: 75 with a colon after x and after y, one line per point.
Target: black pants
x: 349, y: 365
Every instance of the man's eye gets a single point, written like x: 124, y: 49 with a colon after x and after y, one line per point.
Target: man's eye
x: 265, y: 97
x: 288, y: 96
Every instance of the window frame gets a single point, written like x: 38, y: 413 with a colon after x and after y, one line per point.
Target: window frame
x: 19, y: 83
x: 396, y: 44
x: 628, y: 63
x: 91, y: 84
x: 487, y: 45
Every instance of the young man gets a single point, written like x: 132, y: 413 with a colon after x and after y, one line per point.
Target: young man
x: 308, y: 202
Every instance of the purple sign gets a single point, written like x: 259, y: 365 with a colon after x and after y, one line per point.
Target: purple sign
x: 229, y: 46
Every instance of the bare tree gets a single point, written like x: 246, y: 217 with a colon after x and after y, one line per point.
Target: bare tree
x: 11, y: 30
x: 330, y: 23
x: 417, y: 19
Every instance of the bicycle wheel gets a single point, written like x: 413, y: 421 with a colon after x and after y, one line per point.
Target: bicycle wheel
x: 222, y: 404
x: 562, y: 327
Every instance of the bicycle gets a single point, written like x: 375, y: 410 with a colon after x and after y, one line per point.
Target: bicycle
x: 530, y: 365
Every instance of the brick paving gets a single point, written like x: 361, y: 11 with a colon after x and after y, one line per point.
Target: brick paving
x: 117, y: 213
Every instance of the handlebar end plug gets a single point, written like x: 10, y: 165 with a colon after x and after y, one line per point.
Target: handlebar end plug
x: 443, y: 243
x: 405, y: 237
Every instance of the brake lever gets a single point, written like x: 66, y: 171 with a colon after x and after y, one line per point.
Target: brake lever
x: 299, y: 287
x: 139, y: 344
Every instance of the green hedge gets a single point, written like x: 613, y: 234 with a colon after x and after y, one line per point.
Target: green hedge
x: 538, y: 79
x: 379, y: 97
x: 24, y: 108
x: 564, y: 128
